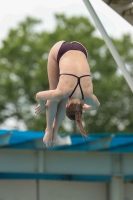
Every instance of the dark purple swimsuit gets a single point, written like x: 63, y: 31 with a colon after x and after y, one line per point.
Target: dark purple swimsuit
x: 66, y: 46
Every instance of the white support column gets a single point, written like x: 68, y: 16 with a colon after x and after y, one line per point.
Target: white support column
x: 110, y: 45
x: 116, y: 188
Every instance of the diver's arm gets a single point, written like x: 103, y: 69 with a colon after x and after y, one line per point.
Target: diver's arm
x: 54, y: 95
x: 91, y: 103
x: 41, y: 97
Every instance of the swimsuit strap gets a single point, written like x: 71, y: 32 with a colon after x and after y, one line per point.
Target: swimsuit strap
x: 78, y: 83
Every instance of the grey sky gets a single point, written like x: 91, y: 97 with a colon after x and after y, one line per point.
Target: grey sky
x: 13, y: 11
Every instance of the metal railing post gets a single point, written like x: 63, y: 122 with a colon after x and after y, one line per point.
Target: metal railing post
x: 109, y: 44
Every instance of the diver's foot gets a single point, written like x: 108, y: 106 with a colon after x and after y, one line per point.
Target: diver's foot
x: 54, y: 139
x: 47, y: 139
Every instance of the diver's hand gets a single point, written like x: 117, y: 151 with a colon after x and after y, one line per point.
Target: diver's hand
x: 86, y: 107
x: 40, y: 109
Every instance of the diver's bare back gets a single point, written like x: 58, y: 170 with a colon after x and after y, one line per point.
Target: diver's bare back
x: 74, y: 62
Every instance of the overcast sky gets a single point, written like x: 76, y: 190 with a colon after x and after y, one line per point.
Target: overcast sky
x: 14, y: 11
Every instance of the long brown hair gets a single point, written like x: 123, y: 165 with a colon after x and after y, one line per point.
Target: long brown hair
x: 74, y: 112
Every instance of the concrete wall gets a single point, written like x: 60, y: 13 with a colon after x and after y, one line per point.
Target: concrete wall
x: 128, y: 191
x: 57, y: 190
x: 51, y: 190
x: 17, y: 190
